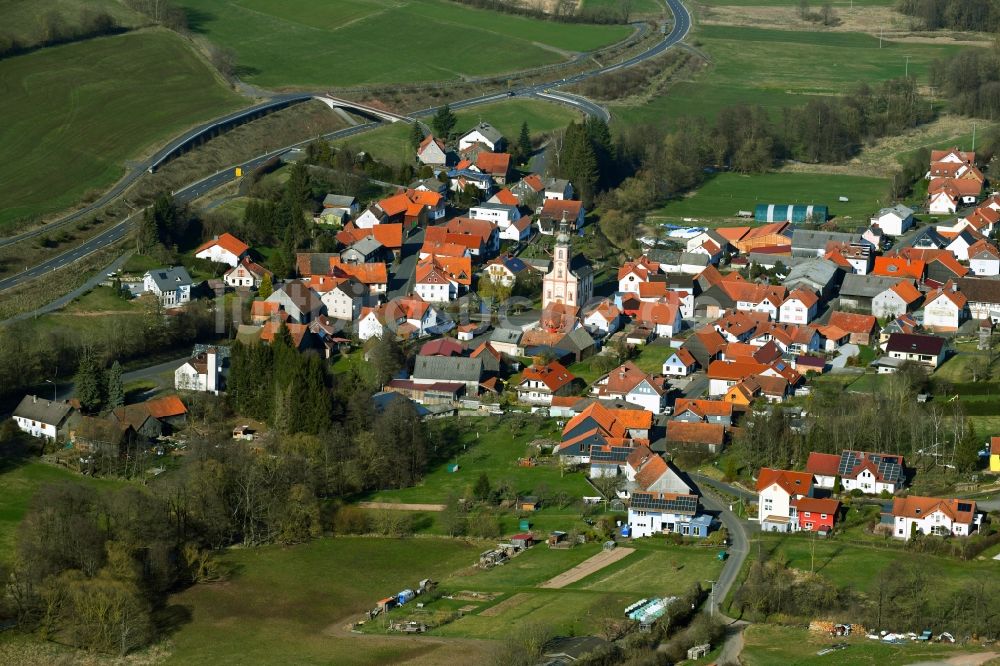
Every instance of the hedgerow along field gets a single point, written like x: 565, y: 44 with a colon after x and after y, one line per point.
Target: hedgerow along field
x: 788, y: 68
x: 72, y: 115
x: 356, y: 42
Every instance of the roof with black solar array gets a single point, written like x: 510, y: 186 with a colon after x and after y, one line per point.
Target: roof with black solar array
x: 667, y: 502
x: 888, y: 468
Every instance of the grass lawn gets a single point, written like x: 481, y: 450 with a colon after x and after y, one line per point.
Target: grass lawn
x: 358, y: 42
x: 73, y: 114
x: 767, y: 644
x: 490, y: 446
x: 857, y: 566
x: 868, y: 383
x: 788, y: 67
x: 654, y: 569
x: 287, y: 605
x: 24, y: 21
x: 726, y: 193
x: 391, y: 143
x: 101, y: 299
x: 638, y: 6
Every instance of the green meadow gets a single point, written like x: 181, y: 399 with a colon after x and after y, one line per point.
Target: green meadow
x: 726, y: 193
x: 72, y: 115
x: 354, y: 42
x: 787, y: 68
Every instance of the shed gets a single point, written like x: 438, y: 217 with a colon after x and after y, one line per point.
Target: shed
x: 556, y: 538
x: 523, y: 540
x: 527, y: 503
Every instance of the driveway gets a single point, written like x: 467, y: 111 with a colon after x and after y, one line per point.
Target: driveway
x: 401, y: 282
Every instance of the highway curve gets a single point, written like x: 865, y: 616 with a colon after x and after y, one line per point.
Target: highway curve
x: 681, y: 27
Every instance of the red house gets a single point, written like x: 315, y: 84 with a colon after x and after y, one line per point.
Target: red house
x: 816, y: 515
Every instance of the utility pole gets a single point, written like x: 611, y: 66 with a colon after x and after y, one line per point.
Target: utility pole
x: 907, y: 70
x: 880, y: 30
x: 973, y: 137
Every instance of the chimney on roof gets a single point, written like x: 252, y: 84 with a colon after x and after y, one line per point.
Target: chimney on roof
x: 954, y: 287
x: 34, y: 399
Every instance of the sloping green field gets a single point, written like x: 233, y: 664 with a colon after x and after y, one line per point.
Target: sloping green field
x: 71, y: 115
x: 351, y: 42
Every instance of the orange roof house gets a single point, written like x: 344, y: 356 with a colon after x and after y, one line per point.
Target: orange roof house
x: 712, y: 435
x: 901, y: 267
x: 167, y: 407
x: 793, y: 483
x: 769, y: 235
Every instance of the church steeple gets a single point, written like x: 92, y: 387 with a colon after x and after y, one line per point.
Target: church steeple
x: 563, y: 237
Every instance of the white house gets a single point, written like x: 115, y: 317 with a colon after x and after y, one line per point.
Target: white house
x: 605, y: 317
x: 432, y: 151
x: 777, y: 491
x: 894, y: 221
x: 680, y: 363
x: 945, y: 308
x: 484, y: 134
x: 959, y: 246
x: 799, y: 308
x: 224, y: 249
x: 657, y: 513
x: 434, y: 285
x: 517, y: 231
x: 42, y: 418
x: 931, y: 515
x: 202, y: 372
x: 984, y: 259
x: 942, y: 203
x: 499, y: 214
x: 898, y: 299
x: 370, y: 217
x: 629, y: 383
x: 539, y: 383
x: 871, y: 473
x: 634, y: 273
x: 369, y: 324
x: 663, y: 318
x: 245, y: 275
x: 344, y: 302
x: 171, y: 285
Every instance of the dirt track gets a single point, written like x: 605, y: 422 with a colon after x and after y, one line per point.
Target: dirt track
x: 587, y: 567
x: 401, y: 507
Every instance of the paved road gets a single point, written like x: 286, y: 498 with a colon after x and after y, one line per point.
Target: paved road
x: 737, y: 532
x: 681, y: 27
x: 402, y: 278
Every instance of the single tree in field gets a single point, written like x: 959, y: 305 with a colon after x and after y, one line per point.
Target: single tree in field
x: 482, y: 490
x: 416, y: 135
x: 443, y: 122
x: 89, y: 382
x: 524, y: 144
x: 266, y: 286
x: 116, y: 386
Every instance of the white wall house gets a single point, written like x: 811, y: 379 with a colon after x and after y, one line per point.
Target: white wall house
x: 775, y: 491
x: 680, y: 363
x: 201, y: 373
x: 172, y: 286
x: 894, y: 221
x: 223, y: 249
x: 799, y: 308
x: 984, y: 260
x: 930, y: 515
x: 42, y: 418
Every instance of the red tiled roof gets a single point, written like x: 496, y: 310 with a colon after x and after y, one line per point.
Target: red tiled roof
x: 794, y: 483
x: 853, y: 323
x: 493, y: 163
x: 734, y: 370
x: 703, y: 407
x: 696, y: 433
x: 554, y: 375
x: 165, y: 407
x: 506, y: 197
x: 898, y: 267
x: 823, y: 464
x: 554, y: 208
x: 227, y: 242
x: 816, y: 505
x: 915, y: 506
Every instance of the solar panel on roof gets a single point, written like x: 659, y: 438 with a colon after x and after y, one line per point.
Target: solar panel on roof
x: 679, y: 504
x: 963, y: 506
x: 848, y: 461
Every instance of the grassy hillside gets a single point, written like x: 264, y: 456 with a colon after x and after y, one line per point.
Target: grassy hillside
x: 787, y: 67
x: 350, y: 42
x: 71, y: 115
x: 29, y: 22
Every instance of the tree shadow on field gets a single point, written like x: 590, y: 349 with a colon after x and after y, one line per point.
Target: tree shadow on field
x: 245, y: 70
x: 171, y: 618
x: 197, y: 19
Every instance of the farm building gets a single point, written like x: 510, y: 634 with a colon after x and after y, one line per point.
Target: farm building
x: 794, y: 213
